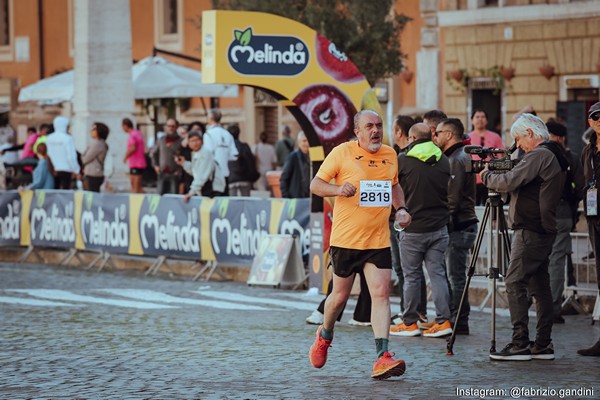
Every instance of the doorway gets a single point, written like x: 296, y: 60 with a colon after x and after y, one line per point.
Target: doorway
x: 485, y: 95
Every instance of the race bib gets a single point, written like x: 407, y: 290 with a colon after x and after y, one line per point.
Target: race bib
x: 375, y: 193
x: 591, y: 202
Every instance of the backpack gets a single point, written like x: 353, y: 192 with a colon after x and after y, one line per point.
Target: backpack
x: 247, y: 162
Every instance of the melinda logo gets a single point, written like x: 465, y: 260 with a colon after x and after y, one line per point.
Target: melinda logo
x: 267, y: 55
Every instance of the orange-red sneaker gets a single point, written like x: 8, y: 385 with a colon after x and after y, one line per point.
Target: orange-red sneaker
x: 318, y: 351
x: 405, y: 330
x: 386, y: 367
x: 439, y: 330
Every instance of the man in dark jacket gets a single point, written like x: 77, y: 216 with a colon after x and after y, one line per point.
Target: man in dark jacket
x: 535, y: 185
x: 590, y: 158
x: 295, y: 178
x: 423, y: 172
x: 566, y: 215
x: 242, y: 172
x: 163, y: 159
x: 462, y: 227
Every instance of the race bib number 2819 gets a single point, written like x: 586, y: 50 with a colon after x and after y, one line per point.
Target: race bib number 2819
x: 375, y: 193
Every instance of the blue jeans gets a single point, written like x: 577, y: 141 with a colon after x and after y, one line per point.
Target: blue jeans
x: 397, y: 267
x: 416, y: 248
x: 459, y: 245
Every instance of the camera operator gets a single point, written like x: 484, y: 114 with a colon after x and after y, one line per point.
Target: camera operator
x: 535, y: 185
x: 462, y: 227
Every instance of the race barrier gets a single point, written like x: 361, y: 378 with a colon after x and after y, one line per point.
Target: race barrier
x: 222, y: 230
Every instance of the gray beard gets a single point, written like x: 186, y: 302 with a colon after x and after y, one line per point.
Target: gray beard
x: 374, y: 147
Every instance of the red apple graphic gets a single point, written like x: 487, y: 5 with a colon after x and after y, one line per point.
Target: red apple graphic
x: 329, y: 111
x: 335, y: 62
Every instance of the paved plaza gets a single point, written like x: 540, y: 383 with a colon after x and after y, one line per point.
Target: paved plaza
x: 69, y: 333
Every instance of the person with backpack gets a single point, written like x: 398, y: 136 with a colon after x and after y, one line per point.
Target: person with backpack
x: 242, y: 172
x: 284, y: 146
x: 295, y: 178
x: 566, y: 218
x: 220, y: 143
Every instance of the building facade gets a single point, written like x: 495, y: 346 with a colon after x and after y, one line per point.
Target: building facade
x: 37, y: 40
x: 503, y: 55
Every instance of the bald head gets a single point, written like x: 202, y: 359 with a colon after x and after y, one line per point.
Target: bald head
x: 420, y: 131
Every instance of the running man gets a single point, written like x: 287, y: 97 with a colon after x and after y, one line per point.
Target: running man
x: 365, y: 175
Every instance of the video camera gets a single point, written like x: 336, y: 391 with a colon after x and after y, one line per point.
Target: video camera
x: 495, y: 159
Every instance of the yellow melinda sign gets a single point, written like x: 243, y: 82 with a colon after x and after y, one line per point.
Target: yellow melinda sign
x: 303, y: 69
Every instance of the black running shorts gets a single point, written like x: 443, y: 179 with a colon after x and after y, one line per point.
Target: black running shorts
x: 345, y: 262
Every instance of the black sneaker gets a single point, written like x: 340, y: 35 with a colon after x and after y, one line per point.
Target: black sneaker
x: 593, y: 351
x: 512, y: 353
x: 589, y: 257
x: 541, y: 353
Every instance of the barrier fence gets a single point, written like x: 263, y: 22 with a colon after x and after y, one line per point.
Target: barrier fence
x: 226, y: 230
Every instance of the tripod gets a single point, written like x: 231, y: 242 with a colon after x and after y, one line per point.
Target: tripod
x: 493, y: 207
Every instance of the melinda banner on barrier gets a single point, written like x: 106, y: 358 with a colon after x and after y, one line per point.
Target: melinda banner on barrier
x: 10, y: 219
x: 225, y: 229
x: 235, y: 226
x: 165, y: 226
x: 51, y: 219
x: 102, y: 223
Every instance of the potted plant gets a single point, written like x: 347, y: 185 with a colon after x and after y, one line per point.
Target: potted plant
x: 406, y: 75
x: 457, y: 74
x: 547, y: 71
x: 507, y: 73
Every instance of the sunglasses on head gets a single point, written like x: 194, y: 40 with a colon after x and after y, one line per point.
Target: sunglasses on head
x: 595, y: 116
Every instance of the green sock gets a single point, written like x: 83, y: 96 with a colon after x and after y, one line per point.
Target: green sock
x: 326, y: 334
x: 381, y: 345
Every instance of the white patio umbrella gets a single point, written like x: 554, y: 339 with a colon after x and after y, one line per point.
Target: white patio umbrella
x: 52, y: 90
x: 153, y: 77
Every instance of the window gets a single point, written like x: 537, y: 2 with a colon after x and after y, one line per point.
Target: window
x: 168, y: 24
x: 4, y: 23
x: 71, y: 17
x: 6, y: 30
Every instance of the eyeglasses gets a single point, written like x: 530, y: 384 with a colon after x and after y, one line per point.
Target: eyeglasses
x: 438, y: 132
x: 595, y: 116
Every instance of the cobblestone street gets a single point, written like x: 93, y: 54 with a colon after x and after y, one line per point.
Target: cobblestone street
x: 68, y: 333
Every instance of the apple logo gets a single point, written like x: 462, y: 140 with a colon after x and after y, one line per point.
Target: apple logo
x: 335, y: 62
x: 329, y: 111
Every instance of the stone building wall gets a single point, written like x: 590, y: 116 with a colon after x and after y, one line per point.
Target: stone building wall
x: 570, y: 46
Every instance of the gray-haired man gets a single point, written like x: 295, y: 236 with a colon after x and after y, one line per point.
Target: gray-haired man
x: 535, y: 186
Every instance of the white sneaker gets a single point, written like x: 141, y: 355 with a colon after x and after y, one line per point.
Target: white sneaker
x: 358, y: 323
x: 316, y: 318
x: 397, y: 319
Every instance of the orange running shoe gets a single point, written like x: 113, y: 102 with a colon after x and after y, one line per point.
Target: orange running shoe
x: 439, y: 330
x: 405, y: 330
x: 318, y: 351
x: 386, y: 367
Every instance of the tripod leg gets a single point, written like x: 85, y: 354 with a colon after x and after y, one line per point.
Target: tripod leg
x: 470, y: 273
x: 504, y: 244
